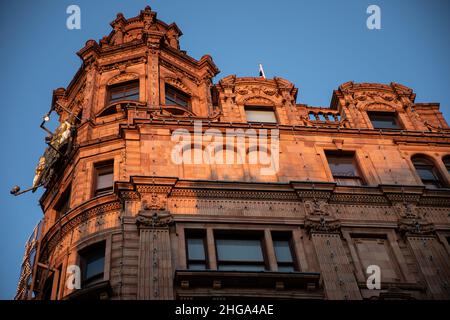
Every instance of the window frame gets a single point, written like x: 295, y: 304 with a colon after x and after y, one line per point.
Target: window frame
x: 393, y: 114
x: 287, y: 237
x: 339, y: 179
x: 122, y: 87
x: 196, y: 234
x: 176, y: 93
x: 103, y: 168
x: 62, y: 206
x: 261, y: 108
x: 243, y: 235
x: 84, y: 254
x: 428, y: 164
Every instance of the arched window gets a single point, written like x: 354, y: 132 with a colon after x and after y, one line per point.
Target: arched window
x: 427, y: 172
x: 446, y: 161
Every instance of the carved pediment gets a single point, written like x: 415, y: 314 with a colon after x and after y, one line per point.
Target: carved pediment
x: 123, y: 77
x: 179, y: 85
x: 258, y: 100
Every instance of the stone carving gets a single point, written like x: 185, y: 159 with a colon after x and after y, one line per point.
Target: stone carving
x: 179, y: 85
x: 319, y: 218
x: 317, y: 207
x: 416, y: 227
x: 154, y: 202
x: 122, y: 78
x: 149, y: 218
x: 408, y: 210
x: 322, y: 224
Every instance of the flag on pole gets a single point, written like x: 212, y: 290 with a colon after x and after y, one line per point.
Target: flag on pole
x: 261, y: 71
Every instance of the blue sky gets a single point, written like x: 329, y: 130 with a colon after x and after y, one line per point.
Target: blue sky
x: 317, y: 45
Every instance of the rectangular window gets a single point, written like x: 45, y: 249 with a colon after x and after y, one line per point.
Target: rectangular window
x: 344, y: 168
x: 196, y: 253
x: 92, y: 262
x: 260, y: 114
x: 175, y: 97
x: 283, y: 252
x: 123, y: 91
x: 241, y: 253
x: 104, y: 177
x: 384, y: 120
x: 63, y: 204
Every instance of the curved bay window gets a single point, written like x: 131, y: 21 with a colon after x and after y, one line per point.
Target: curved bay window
x: 427, y: 172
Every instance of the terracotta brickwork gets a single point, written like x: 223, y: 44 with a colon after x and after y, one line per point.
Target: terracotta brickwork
x: 335, y: 230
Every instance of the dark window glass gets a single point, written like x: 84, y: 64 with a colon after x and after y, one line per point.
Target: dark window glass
x: 196, y: 254
x: 59, y: 281
x: 48, y: 286
x: 124, y: 91
x: 427, y: 172
x: 283, y: 253
x: 92, y: 261
x: 177, y: 97
x: 63, y: 204
x: 384, y: 120
x: 446, y: 161
x: 344, y: 168
x: 240, y: 254
x: 260, y: 114
x: 104, y: 177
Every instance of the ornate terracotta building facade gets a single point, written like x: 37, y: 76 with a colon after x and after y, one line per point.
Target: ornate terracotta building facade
x: 362, y: 183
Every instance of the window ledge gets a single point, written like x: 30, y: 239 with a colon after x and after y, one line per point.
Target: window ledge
x: 217, y: 279
x: 97, y: 291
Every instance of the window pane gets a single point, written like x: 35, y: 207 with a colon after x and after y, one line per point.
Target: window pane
x: 240, y: 267
x: 267, y: 116
x: 282, y: 250
x: 126, y: 91
x: 197, y: 266
x: 384, y: 120
x: 239, y: 250
x: 426, y: 173
x: 286, y: 268
x: 105, y: 180
x: 176, y: 97
x: 196, y: 249
x: 95, y: 265
x: 342, y: 165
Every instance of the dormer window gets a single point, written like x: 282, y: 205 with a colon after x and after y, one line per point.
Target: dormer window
x: 260, y: 114
x: 175, y: 97
x: 123, y: 91
x: 384, y: 120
